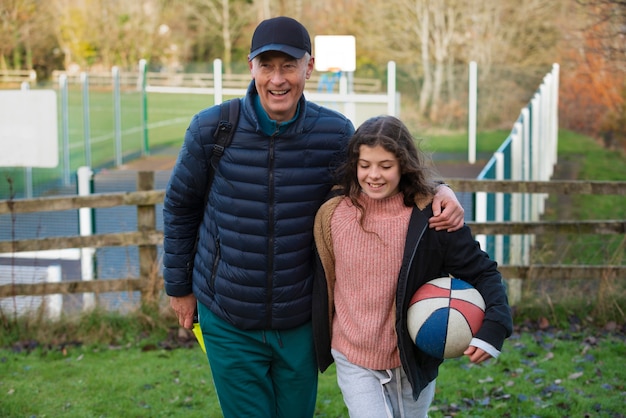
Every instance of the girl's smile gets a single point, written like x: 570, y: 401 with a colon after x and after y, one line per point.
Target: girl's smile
x: 378, y: 172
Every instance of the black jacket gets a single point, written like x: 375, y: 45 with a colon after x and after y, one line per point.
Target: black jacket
x: 253, y: 265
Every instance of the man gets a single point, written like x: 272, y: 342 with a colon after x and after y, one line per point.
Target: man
x: 250, y: 277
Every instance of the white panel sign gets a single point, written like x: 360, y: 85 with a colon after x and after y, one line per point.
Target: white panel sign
x: 335, y: 53
x: 28, y: 128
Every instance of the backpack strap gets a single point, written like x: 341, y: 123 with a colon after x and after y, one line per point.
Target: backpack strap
x: 229, y: 117
x: 226, y: 127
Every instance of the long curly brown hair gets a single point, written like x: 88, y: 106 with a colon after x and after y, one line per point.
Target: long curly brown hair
x: 417, y: 174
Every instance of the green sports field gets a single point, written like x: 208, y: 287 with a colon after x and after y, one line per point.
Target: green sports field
x: 167, y: 118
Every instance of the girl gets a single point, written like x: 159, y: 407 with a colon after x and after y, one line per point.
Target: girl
x: 374, y: 250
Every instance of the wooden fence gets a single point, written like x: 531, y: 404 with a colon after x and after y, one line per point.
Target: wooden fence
x: 15, y: 78
x: 148, y: 238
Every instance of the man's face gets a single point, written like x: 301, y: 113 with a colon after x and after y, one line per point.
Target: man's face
x: 280, y: 81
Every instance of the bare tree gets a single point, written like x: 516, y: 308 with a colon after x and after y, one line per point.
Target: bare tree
x: 433, y: 37
x: 107, y: 32
x: 431, y: 40
x: 444, y: 21
x: 593, y: 96
x: 606, y: 24
x: 24, y: 33
x: 432, y: 27
x: 225, y: 18
x: 263, y: 9
x: 422, y: 31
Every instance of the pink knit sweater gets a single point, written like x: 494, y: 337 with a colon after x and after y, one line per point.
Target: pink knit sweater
x: 367, y: 266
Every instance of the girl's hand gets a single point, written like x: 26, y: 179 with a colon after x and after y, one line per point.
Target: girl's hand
x: 476, y: 355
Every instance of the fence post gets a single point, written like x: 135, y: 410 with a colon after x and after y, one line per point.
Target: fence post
x: 146, y: 223
x: 117, y: 115
x: 54, y: 302
x: 471, y: 128
x: 514, y: 290
x: 499, y: 208
x: 84, y: 78
x: 28, y: 171
x: 65, y: 128
x: 143, y: 80
x: 554, y: 117
x: 392, y: 107
x: 218, y: 84
x: 85, y: 217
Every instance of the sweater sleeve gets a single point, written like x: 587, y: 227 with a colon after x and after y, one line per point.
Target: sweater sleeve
x: 324, y: 245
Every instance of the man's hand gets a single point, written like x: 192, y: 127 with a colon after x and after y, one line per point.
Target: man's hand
x: 448, y: 214
x: 184, y: 307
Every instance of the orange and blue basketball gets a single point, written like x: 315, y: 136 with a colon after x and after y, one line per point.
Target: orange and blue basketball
x: 444, y: 315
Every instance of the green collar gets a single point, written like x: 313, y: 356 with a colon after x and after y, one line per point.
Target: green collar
x: 269, y: 126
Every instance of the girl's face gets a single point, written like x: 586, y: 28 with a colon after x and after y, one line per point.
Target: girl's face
x: 378, y: 172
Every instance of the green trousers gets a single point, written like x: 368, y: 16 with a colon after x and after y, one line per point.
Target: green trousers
x: 261, y: 373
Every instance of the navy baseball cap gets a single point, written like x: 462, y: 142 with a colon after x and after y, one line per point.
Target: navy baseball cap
x: 282, y: 34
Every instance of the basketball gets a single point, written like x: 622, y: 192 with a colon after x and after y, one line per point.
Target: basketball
x: 444, y: 314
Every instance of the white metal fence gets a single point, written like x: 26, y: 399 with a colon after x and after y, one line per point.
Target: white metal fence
x: 528, y: 153
x: 358, y: 99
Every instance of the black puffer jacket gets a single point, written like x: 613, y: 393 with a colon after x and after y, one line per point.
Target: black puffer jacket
x: 253, y: 266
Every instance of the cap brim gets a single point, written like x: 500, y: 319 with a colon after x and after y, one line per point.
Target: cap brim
x: 297, y: 53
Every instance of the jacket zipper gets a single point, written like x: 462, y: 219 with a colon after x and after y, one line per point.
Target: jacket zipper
x: 216, y: 260
x: 270, y: 235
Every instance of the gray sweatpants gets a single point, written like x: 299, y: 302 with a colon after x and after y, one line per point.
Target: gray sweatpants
x: 379, y: 393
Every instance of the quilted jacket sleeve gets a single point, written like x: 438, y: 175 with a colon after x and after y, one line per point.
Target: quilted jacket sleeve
x: 464, y: 259
x: 183, y: 207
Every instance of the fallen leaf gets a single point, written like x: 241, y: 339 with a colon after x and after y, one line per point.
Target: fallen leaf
x: 488, y: 379
x: 611, y: 326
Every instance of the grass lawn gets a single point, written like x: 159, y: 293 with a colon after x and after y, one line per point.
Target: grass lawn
x: 544, y: 373
x: 576, y: 370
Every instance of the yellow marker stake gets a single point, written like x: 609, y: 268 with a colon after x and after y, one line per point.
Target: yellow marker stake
x: 198, y: 333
